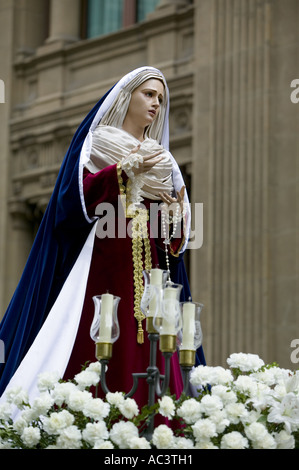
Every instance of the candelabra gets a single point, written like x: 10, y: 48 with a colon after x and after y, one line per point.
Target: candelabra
x: 174, y: 324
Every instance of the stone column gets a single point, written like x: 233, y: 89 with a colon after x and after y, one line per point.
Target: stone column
x: 6, y: 63
x: 283, y: 184
x: 30, y: 28
x: 230, y: 163
x: 64, y: 21
x: 21, y: 240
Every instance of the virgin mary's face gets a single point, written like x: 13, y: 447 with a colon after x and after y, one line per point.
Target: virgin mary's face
x: 145, y: 103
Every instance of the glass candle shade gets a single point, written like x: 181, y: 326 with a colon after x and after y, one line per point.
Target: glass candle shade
x: 190, y: 337
x: 167, y: 318
x: 154, y: 280
x: 105, y: 327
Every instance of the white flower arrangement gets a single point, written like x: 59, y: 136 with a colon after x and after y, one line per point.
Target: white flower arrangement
x: 248, y: 406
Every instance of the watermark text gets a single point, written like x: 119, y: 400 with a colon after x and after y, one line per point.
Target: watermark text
x: 295, y: 353
x: 2, y: 91
x: 112, y: 222
x: 295, y: 93
x: 2, y: 352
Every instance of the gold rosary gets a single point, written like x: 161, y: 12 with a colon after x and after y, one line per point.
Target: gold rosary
x: 140, y: 245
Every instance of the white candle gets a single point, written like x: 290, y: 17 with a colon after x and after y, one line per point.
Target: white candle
x: 156, y: 277
x: 156, y: 280
x: 168, y: 325
x: 106, y: 318
x: 188, y: 325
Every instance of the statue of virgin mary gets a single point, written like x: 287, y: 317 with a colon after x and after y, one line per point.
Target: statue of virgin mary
x: 120, y: 152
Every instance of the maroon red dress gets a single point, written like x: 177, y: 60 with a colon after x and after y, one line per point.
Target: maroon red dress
x: 111, y: 270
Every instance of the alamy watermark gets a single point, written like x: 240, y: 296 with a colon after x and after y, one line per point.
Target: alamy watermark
x: 112, y: 222
x: 2, y: 352
x: 295, y: 93
x: 295, y: 353
x: 2, y: 91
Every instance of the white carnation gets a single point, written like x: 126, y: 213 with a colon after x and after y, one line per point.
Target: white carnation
x: 57, y: 421
x: 251, y: 416
x: 204, y: 429
x: 95, y: 432
x: 224, y: 393
x: 166, y: 407
x: 62, y: 391
x: 19, y: 425
x: 139, y: 443
x: 211, y: 404
x: 256, y: 432
x: 222, y: 376
x: 267, y: 376
x: 190, y: 411
x: 129, y: 408
x: 96, y: 408
x: 234, y: 440
x: 17, y: 396
x: 95, y: 367
x: 163, y: 437
x: 246, y: 384
x: 284, y: 440
x: 100, y: 444
x: 220, y: 419
x: 47, y: 380
x: 42, y: 404
x: 201, y: 376
x: 116, y: 398
x: 69, y: 438
x: 205, y: 375
x: 182, y: 443
x: 5, y: 411
x: 122, y: 432
x: 268, y: 442
x: 31, y: 436
x: 78, y: 399
x: 245, y: 362
x: 236, y: 412
x: 205, y: 444
x: 86, y: 378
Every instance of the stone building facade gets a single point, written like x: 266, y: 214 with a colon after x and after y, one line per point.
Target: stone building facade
x: 233, y: 130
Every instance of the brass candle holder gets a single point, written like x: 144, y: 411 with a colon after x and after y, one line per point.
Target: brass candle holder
x: 168, y: 343
x: 103, y: 351
x: 187, y: 357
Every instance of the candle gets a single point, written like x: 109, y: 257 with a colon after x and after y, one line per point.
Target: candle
x: 168, y: 325
x: 106, y: 318
x: 188, y: 325
x: 156, y: 277
x: 156, y: 280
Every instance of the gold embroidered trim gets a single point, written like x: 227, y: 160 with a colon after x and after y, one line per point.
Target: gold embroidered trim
x: 140, y: 245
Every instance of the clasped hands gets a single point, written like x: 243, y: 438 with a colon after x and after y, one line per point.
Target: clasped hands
x: 139, y: 165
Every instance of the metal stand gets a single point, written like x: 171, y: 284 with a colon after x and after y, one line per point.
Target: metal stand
x: 157, y: 383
